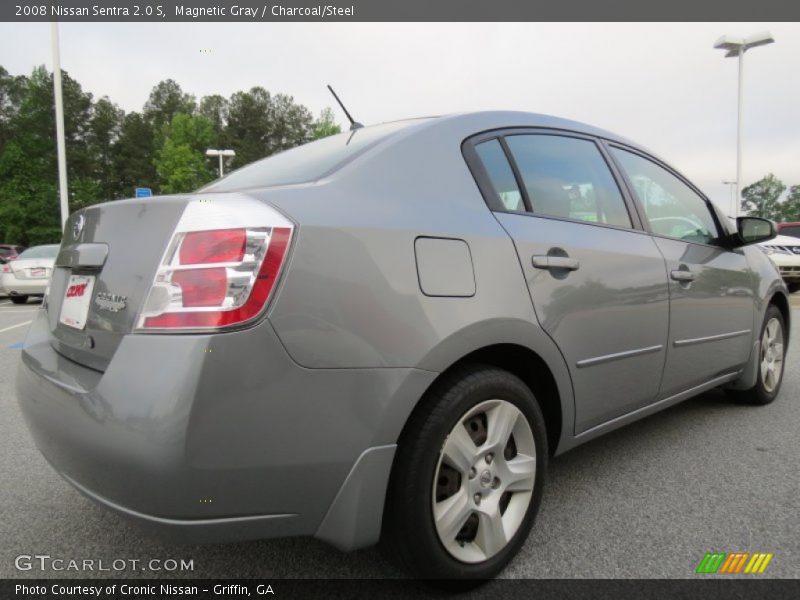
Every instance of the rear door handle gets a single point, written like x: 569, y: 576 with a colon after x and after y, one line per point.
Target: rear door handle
x: 682, y: 276
x: 556, y: 262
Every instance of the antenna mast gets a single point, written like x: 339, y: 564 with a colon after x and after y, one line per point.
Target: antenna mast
x: 353, y: 124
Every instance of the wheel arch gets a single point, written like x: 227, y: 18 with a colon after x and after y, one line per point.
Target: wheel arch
x: 525, y: 350
x: 780, y: 300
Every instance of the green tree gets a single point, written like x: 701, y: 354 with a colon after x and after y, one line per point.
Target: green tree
x: 762, y: 198
x: 325, y: 125
x: 215, y: 109
x: 790, y: 208
x: 166, y: 100
x: 29, y: 204
x: 260, y: 124
x: 104, y: 132
x: 133, y: 156
x: 181, y: 163
x: 10, y: 97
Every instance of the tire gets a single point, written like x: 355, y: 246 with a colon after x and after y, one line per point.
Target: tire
x: 472, y: 403
x: 19, y: 299
x: 768, y: 384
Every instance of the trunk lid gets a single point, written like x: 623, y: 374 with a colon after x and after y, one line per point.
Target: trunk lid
x: 117, y: 247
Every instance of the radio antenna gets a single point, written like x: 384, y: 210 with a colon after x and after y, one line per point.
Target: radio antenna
x: 353, y: 124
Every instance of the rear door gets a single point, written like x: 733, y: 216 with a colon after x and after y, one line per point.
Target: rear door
x: 712, y: 289
x: 597, y: 281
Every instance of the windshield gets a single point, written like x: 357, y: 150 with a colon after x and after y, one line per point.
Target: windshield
x: 308, y: 162
x: 49, y: 251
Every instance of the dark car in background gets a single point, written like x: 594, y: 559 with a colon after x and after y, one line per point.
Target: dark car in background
x: 792, y: 229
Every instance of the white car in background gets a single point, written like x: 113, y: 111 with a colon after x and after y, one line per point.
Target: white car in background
x: 784, y: 250
x: 29, y: 274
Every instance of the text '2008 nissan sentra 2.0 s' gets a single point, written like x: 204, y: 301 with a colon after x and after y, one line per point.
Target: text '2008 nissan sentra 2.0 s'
x: 388, y: 332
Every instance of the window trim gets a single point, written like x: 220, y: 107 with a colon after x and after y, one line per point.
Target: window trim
x: 490, y: 195
x: 717, y: 242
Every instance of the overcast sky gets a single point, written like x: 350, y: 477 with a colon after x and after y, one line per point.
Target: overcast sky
x: 662, y: 85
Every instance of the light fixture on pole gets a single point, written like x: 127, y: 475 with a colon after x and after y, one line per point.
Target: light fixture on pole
x: 737, y: 46
x: 60, y: 144
x: 730, y: 184
x: 221, y: 154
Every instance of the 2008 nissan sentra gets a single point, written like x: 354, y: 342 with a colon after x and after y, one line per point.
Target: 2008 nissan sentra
x: 386, y: 333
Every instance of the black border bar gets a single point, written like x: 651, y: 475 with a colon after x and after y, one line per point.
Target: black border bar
x: 397, y: 10
x: 703, y: 586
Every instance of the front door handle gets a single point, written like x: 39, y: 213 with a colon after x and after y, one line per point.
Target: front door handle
x: 682, y: 276
x: 556, y: 262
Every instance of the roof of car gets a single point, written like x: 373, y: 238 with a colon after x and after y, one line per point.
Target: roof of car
x: 473, y: 123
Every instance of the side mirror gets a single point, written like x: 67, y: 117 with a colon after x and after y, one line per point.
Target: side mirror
x: 752, y: 230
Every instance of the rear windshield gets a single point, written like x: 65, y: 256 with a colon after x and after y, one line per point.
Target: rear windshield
x: 308, y: 162
x: 40, y: 252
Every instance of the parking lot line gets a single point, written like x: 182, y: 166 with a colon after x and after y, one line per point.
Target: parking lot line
x: 15, y: 326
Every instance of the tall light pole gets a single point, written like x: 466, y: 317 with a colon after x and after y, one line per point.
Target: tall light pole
x: 222, y: 154
x: 60, y: 144
x: 730, y: 185
x: 737, y: 46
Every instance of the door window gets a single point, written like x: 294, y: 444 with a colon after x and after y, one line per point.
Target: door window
x: 568, y: 177
x: 500, y: 174
x: 672, y: 208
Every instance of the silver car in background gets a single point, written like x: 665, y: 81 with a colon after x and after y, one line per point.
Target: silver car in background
x: 29, y: 274
x: 388, y: 332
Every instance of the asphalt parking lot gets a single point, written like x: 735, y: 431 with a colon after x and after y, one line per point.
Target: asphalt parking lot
x: 647, y: 501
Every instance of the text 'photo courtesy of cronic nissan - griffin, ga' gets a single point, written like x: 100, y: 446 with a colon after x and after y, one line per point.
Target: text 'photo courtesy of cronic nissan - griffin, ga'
x: 384, y: 335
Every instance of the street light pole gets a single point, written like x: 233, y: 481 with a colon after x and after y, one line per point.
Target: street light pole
x: 221, y: 154
x: 60, y: 144
x: 735, y: 46
x: 731, y: 185
x: 739, y: 133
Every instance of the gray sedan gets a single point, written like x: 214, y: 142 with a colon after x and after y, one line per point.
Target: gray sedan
x: 385, y: 334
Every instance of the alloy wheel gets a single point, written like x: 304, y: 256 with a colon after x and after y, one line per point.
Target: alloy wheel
x: 484, y: 481
x: 772, y: 355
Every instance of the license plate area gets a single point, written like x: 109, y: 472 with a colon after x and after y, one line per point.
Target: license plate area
x: 38, y: 272
x: 77, y: 299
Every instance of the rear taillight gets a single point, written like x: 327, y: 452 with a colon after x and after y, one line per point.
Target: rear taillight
x: 220, y: 267
x: 6, y: 269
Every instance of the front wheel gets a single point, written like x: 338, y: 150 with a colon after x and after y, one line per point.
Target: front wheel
x: 771, y: 361
x: 468, y: 477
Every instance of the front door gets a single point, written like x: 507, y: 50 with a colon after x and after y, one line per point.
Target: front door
x: 712, y: 289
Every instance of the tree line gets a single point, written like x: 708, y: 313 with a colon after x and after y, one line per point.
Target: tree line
x: 763, y: 199
x: 110, y: 152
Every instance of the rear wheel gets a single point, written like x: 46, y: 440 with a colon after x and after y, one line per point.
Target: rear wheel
x: 771, y: 361
x: 468, y: 476
x: 19, y: 299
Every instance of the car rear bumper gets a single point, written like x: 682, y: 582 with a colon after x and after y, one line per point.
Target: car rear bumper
x: 221, y: 437
x: 14, y: 286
